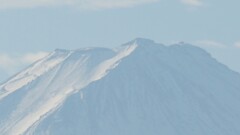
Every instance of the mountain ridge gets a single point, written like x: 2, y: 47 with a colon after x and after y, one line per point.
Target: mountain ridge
x: 127, y: 90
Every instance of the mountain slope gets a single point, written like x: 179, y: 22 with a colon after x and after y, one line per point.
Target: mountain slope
x: 140, y: 88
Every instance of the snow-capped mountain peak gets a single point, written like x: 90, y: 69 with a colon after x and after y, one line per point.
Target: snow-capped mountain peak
x: 141, y: 87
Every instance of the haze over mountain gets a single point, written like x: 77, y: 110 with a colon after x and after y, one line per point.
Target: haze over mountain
x: 139, y: 88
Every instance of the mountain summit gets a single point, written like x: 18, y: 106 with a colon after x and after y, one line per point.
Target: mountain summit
x: 139, y: 88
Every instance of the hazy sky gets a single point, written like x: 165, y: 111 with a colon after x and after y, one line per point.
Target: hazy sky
x: 29, y: 29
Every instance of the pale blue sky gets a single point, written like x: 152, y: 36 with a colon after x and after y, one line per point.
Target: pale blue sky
x: 29, y: 28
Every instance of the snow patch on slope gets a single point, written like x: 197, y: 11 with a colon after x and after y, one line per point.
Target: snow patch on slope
x: 76, y: 67
x: 32, y: 72
x: 110, y: 64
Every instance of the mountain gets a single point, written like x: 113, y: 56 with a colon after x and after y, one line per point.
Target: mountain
x: 139, y: 88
